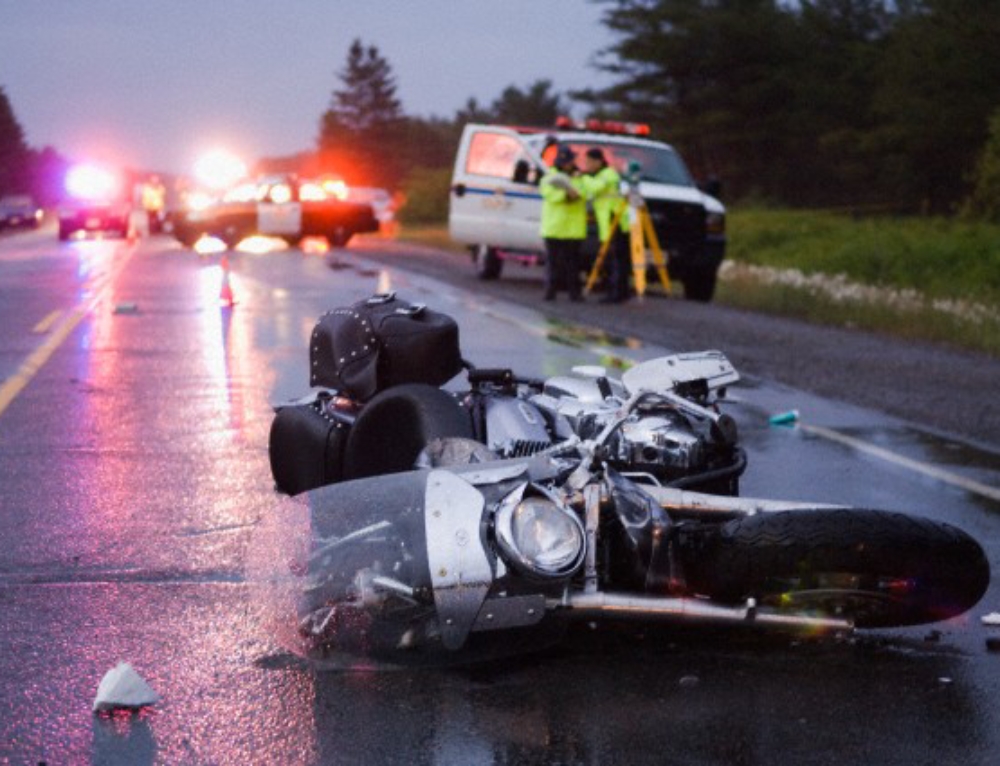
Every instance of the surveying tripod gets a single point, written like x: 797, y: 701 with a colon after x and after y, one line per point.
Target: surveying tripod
x: 641, y: 232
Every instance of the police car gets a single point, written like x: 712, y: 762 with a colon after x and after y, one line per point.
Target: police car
x: 97, y: 201
x: 279, y: 206
x: 495, y: 205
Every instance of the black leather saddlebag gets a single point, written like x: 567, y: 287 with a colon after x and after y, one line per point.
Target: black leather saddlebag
x: 306, y: 447
x: 382, y: 342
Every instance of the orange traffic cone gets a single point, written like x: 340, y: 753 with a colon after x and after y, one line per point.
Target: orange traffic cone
x: 226, y: 297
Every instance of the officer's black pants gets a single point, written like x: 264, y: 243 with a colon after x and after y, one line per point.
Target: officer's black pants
x: 562, y: 266
x: 619, y: 265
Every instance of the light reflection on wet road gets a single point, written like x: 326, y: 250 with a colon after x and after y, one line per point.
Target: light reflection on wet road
x: 136, y: 495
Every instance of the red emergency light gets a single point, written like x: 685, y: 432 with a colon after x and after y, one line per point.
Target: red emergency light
x: 604, y: 126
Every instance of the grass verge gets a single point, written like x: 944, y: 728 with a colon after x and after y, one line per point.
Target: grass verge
x: 929, y: 279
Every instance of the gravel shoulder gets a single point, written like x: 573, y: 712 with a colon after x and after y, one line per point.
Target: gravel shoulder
x: 934, y: 387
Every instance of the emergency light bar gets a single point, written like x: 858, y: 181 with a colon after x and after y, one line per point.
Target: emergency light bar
x: 604, y: 126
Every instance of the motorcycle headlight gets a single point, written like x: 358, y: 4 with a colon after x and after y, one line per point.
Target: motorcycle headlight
x: 539, y: 538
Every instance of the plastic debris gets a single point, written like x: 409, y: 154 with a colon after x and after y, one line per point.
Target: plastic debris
x: 688, y: 682
x: 784, y: 418
x: 123, y: 688
x: 993, y: 618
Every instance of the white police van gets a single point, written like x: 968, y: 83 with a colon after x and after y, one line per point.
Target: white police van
x: 495, y: 205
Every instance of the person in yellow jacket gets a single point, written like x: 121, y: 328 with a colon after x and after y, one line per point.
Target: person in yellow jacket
x: 564, y: 225
x: 602, y: 185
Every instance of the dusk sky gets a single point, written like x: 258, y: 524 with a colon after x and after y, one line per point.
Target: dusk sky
x: 154, y: 83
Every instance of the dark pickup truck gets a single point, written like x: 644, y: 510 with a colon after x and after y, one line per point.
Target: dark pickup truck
x: 279, y: 207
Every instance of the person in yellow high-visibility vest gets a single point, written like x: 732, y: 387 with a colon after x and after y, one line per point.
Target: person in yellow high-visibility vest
x: 603, y: 187
x: 564, y: 225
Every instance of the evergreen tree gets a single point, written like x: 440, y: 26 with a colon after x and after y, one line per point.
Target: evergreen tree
x: 984, y: 201
x: 536, y: 105
x: 712, y: 76
x: 830, y: 116
x: 825, y: 102
x: 368, y: 99
x: 362, y: 134
x: 473, y: 112
x: 938, y: 86
x: 14, y: 153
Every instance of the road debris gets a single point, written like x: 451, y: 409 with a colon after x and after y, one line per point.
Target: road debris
x: 791, y: 417
x: 123, y: 688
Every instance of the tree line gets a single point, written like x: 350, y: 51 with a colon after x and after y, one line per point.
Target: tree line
x: 883, y: 105
x: 815, y: 102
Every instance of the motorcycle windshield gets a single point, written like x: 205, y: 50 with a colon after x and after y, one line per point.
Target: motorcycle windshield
x: 367, y: 588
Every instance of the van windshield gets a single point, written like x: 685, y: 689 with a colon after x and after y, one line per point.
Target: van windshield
x: 657, y: 164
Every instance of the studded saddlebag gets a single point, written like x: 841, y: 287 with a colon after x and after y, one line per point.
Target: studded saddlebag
x: 381, y: 342
x: 306, y: 446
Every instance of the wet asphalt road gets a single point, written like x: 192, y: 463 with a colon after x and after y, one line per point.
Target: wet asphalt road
x: 139, y: 524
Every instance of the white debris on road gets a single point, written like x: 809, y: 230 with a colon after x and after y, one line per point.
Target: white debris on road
x: 121, y: 688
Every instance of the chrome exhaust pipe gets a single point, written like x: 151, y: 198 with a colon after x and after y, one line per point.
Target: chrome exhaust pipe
x: 623, y: 606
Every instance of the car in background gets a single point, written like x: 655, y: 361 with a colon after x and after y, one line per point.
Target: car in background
x: 19, y: 211
x: 279, y: 206
x: 99, y: 200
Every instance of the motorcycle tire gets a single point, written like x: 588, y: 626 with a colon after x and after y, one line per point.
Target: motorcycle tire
x: 876, y: 568
x: 397, y: 424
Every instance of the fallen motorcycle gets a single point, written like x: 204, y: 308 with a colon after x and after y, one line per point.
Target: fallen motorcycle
x: 377, y: 407
x: 468, y: 561
x: 538, y: 503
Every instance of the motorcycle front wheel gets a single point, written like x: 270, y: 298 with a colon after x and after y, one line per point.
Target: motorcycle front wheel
x: 875, y: 568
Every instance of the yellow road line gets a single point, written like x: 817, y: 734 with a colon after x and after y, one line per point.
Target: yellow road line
x: 948, y: 477
x: 46, y: 324
x: 30, y: 367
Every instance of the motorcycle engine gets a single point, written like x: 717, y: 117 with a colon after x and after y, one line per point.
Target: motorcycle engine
x: 663, y: 442
x: 515, y: 427
x: 656, y: 442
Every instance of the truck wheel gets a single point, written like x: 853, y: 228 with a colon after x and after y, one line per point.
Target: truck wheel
x: 64, y: 232
x: 487, y: 262
x: 699, y: 285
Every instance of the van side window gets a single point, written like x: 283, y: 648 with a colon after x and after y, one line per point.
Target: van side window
x: 493, y: 154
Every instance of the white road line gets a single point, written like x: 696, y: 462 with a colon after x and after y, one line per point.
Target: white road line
x: 940, y: 474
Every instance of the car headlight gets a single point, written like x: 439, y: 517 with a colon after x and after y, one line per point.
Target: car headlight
x: 539, y: 537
